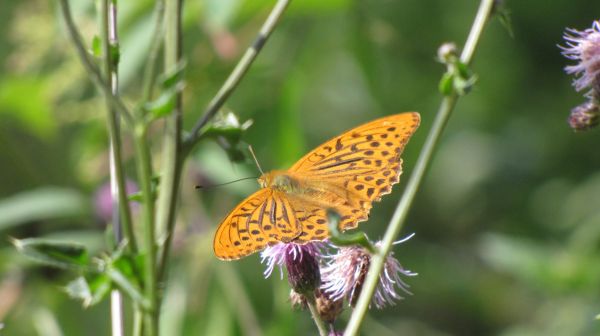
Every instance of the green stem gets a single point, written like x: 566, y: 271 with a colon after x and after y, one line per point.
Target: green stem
x: 144, y: 169
x: 91, y: 67
x: 172, y: 161
x: 138, y: 323
x: 444, y: 112
x: 150, y: 69
x: 312, y: 307
x: 238, y: 72
x: 109, y: 41
x: 121, y: 218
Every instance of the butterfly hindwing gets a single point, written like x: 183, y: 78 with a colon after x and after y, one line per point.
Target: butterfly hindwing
x: 262, y: 219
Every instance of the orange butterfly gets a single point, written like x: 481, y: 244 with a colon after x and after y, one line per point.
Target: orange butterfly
x: 346, y: 173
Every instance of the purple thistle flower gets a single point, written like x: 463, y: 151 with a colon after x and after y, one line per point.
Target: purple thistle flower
x: 584, y: 47
x: 344, y: 276
x: 301, y: 261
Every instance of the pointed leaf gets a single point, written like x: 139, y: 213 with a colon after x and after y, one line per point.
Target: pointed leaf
x: 90, y: 290
x: 175, y: 77
x: 61, y: 254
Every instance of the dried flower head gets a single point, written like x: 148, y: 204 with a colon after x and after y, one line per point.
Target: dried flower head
x: 329, y: 309
x: 584, y: 47
x: 301, y: 262
x: 298, y: 301
x: 345, y: 273
x: 584, y: 116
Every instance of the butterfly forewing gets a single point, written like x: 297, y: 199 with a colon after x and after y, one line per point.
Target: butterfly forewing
x: 262, y: 219
x: 364, y: 162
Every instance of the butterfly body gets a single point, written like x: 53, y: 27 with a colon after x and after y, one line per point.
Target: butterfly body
x: 345, y: 174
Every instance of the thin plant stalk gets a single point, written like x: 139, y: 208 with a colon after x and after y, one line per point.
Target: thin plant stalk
x: 312, y: 307
x: 144, y: 170
x: 378, y: 259
x: 149, y: 76
x: 121, y: 216
x: 239, y: 71
x: 122, y: 223
x: 172, y: 160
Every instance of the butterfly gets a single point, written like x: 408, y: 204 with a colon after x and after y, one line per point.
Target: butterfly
x: 345, y: 174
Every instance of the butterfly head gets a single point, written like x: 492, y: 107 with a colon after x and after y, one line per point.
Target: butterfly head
x: 278, y: 180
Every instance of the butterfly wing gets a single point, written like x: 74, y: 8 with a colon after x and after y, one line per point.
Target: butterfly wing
x: 264, y: 218
x: 360, y: 165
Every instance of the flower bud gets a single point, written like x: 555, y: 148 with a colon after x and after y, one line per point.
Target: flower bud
x: 446, y: 52
x: 584, y: 116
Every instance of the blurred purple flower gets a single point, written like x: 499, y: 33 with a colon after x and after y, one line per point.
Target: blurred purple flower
x: 345, y: 273
x: 301, y: 262
x: 584, y: 47
x: 103, y: 201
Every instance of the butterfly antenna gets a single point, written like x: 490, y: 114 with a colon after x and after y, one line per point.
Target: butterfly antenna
x: 222, y: 184
x: 255, y: 159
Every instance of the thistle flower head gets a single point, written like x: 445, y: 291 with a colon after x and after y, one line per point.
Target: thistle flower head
x: 584, y: 47
x: 345, y: 273
x: 301, y: 262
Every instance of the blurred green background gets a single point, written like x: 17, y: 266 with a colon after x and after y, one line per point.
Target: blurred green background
x: 507, y: 221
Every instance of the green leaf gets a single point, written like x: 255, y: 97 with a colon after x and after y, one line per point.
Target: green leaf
x: 40, y: 204
x: 122, y: 273
x: 227, y: 131
x: 464, y: 85
x: 61, y: 254
x: 138, y: 196
x: 161, y: 106
x: 175, y: 77
x: 446, y: 84
x: 343, y: 238
x: 115, y: 54
x: 165, y: 103
x: 90, y: 290
x: 97, y: 46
